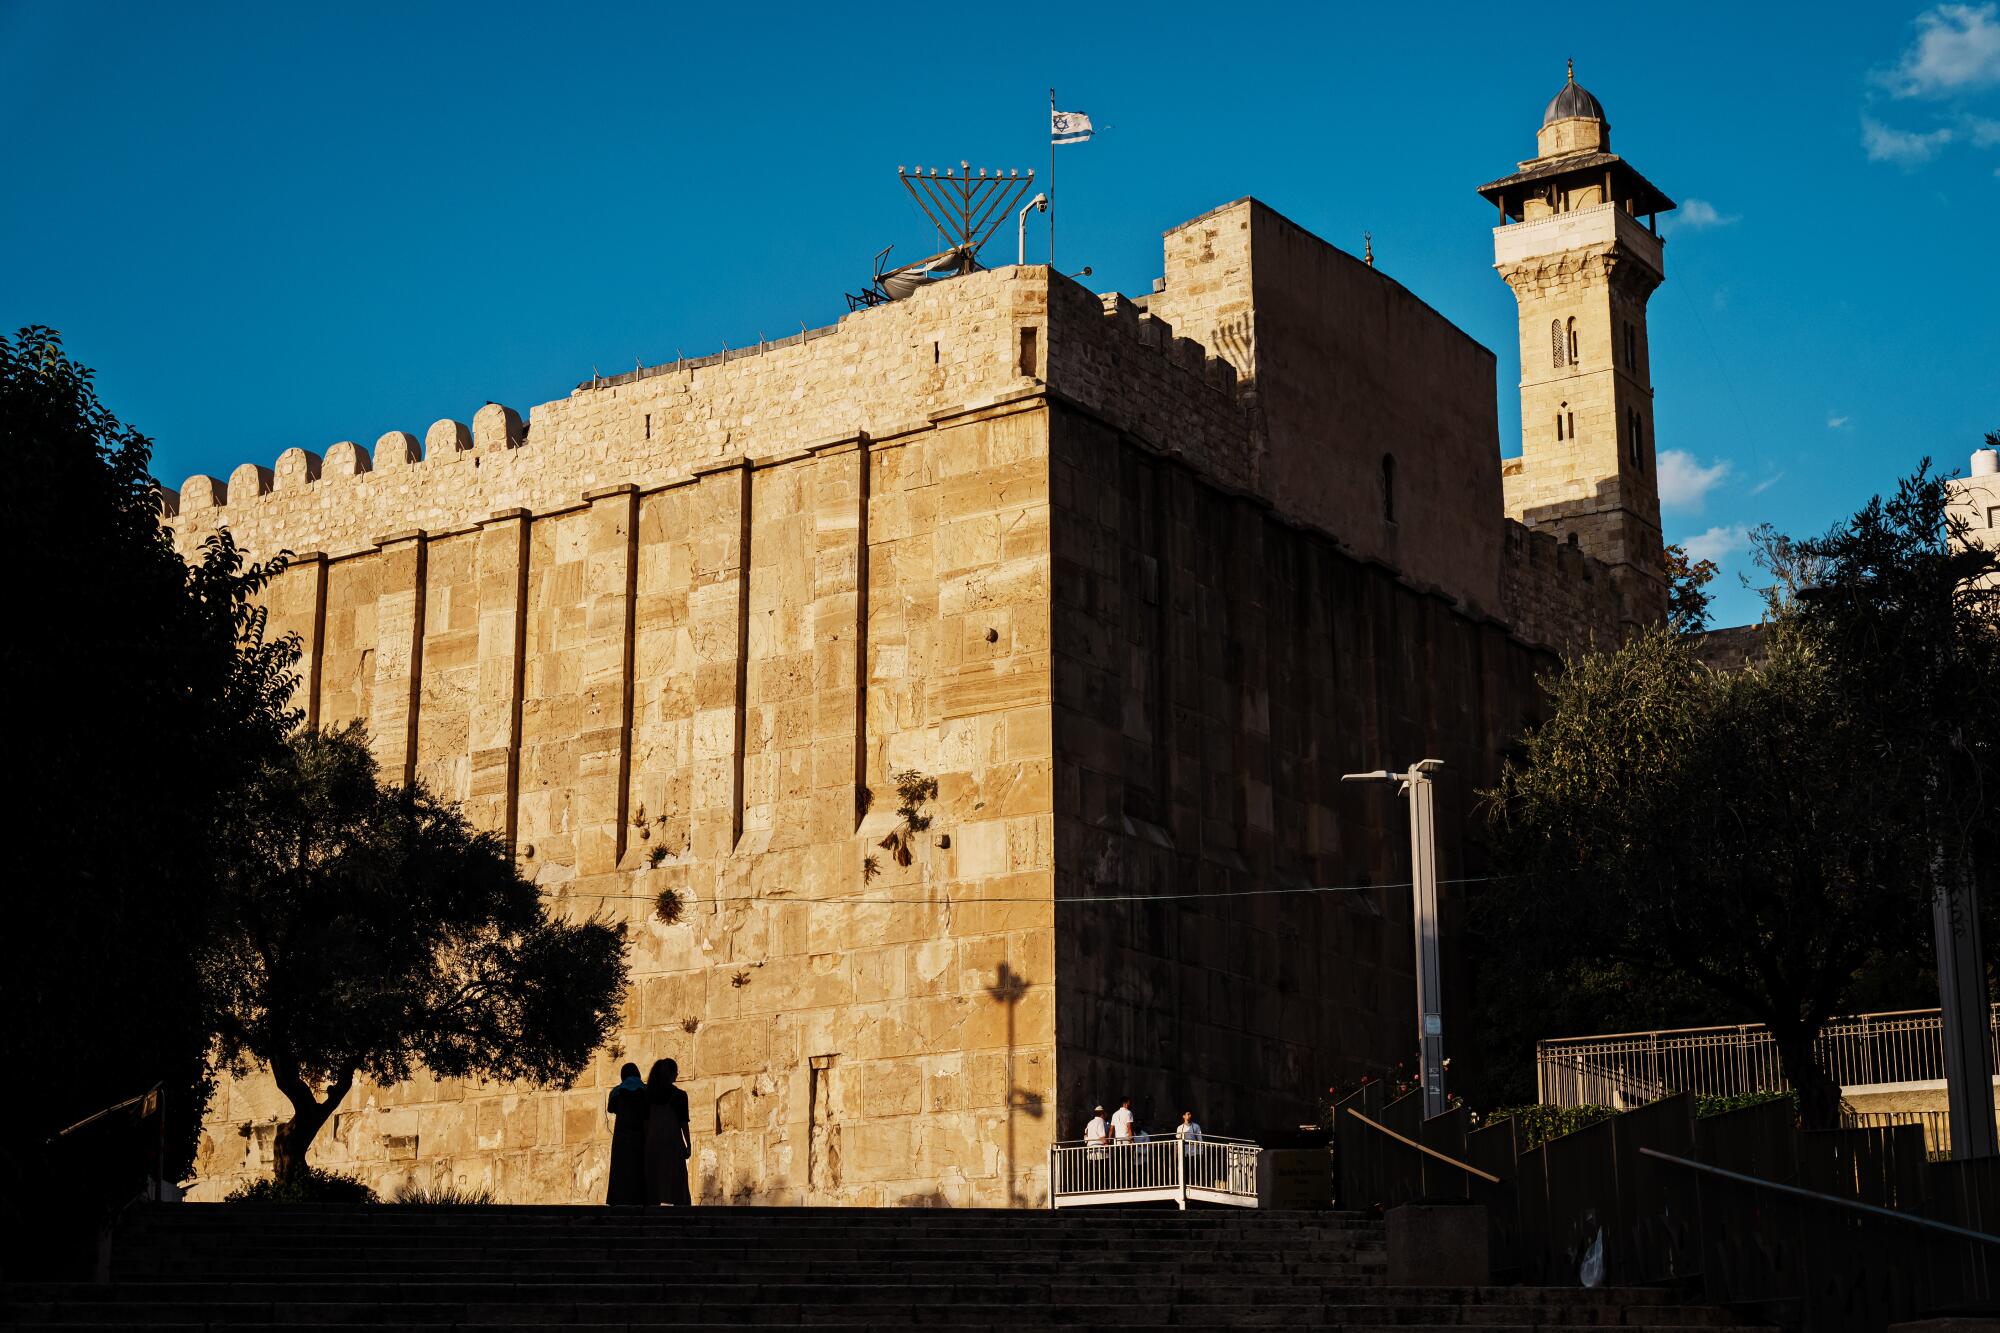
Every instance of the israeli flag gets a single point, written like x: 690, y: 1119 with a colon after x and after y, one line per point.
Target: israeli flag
x: 1069, y: 127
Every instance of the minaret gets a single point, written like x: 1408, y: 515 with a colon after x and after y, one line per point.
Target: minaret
x: 1579, y: 243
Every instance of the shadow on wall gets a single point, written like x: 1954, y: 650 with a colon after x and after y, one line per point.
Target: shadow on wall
x: 1008, y: 987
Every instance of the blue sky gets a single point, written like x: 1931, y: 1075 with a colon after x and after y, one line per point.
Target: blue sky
x: 278, y: 225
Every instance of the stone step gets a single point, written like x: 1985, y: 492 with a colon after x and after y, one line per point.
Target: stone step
x: 528, y: 1306
x: 1329, y: 1319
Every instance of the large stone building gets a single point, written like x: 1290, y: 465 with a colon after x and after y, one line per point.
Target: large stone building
x: 1134, y: 580
x: 1975, y: 501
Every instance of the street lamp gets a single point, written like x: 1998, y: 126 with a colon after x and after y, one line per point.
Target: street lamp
x: 1423, y: 883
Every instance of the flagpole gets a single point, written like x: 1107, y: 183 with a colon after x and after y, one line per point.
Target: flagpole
x: 1052, y: 178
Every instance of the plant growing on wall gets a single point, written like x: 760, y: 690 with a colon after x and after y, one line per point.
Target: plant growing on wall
x: 915, y: 791
x: 364, y: 929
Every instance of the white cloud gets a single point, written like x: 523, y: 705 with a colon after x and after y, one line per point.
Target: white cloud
x: 1907, y: 148
x: 1684, y: 482
x: 1834, y: 421
x: 1957, y: 50
x: 1981, y: 131
x: 1718, y: 543
x: 1695, y: 215
x: 1767, y: 483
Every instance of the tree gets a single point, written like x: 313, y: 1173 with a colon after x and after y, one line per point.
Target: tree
x: 1717, y: 829
x: 141, y: 689
x: 366, y: 928
x: 1907, y: 613
x: 1687, y: 591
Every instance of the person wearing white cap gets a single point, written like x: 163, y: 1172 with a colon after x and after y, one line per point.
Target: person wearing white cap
x: 1097, y: 1134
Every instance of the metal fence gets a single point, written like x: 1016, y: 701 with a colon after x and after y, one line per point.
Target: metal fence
x: 1850, y: 1230
x: 1210, y: 1170
x: 1935, y: 1124
x: 1633, y: 1068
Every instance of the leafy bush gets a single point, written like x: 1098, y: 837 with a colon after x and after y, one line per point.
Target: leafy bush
x: 1536, y: 1125
x: 444, y: 1195
x: 311, y: 1185
x: 1706, y: 1106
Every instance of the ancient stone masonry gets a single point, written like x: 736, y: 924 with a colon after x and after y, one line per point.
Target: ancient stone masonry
x: 1133, y: 600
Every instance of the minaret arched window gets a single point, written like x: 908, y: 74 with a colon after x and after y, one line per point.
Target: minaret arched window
x: 1556, y: 343
x: 1388, y: 488
x: 1572, y: 340
x: 1633, y: 427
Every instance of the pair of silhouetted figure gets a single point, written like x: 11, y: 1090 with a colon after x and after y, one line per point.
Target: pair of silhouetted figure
x: 649, y: 1138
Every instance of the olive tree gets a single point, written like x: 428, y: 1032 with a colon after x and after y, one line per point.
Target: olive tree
x: 366, y: 928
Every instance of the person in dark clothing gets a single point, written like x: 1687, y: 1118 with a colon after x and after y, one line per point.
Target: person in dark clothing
x: 668, y: 1144
x: 629, y: 1111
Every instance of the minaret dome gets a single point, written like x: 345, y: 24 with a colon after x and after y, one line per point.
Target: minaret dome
x: 1573, y: 122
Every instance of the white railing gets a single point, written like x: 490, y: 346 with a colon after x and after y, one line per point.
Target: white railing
x: 1210, y: 1170
x: 1633, y: 1068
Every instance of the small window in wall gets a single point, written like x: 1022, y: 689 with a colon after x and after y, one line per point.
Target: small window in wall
x: 936, y: 354
x: 1633, y: 419
x: 1556, y: 343
x: 1388, y: 488
x: 649, y: 425
x: 1028, y: 353
x: 1631, y: 346
x: 1572, y: 340
x: 1559, y: 427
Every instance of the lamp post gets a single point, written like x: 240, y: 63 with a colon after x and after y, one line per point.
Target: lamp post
x: 1423, y: 883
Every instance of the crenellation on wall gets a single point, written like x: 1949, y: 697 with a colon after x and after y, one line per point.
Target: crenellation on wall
x: 295, y: 468
x: 345, y: 459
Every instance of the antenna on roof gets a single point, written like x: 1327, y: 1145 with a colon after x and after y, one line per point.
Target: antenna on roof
x: 965, y: 208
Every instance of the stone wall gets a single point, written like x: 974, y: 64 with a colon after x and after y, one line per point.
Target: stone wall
x: 1217, y: 669
x: 1376, y: 414
x: 659, y: 668
x: 1554, y: 594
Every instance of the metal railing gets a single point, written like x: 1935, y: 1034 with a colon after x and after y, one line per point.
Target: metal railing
x: 1209, y: 1170
x: 1806, y: 1258
x: 1936, y: 1126
x: 137, y: 1109
x: 1633, y: 1068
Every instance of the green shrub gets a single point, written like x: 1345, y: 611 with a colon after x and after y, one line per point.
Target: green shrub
x: 1706, y: 1106
x: 1536, y: 1125
x: 445, y: 1195
x: 310, y: 1186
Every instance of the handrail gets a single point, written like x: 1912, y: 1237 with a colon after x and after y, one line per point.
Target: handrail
x: 1153, y: 1138
x: 151, y: 1102
x: 1734, y: 1027
x: 1433, y: 1152
x: 1814, y: 1196
x: 113, y: 1109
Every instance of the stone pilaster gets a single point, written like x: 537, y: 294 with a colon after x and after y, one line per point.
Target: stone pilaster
x: 399, y: 655
x: 495, y: 731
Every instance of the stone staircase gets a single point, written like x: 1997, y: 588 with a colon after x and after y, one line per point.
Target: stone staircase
x: 244, y: 1267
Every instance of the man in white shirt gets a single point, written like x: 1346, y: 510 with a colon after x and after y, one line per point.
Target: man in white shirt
x: 1121, y: 1122
x: 1096, y: 1133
